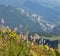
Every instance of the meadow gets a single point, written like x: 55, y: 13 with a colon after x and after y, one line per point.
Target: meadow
x: 12, y: 44
x: 54, y: 38
x: 59, y: 47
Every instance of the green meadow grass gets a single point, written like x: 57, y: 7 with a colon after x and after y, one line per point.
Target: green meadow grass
x: 52, y: 38
x: 59, y: 48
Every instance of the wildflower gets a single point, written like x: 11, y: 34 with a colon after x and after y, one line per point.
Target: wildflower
x: 2, y: 21
x: 52, y: 49
x: 47, y: 47
x: 33, y: 53
x: 10, y: 30
x: 15, y: 29
x: 7, y: 27
x: 42, y: 40
x: 31, y: 37
x: 21, y: 35
x: 4, y: 30
x: 25, y: 37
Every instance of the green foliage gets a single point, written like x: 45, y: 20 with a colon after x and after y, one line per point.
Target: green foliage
x: 13, y: 45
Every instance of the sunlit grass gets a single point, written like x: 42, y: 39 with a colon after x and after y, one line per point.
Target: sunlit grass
x: 59, y: 48
x: 11, y: 44
x: 52, y: 38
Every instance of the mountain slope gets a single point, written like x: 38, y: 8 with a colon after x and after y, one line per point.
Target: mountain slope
x: 56, y: 30
x: 49, y: 14
x: 14, y: 17
x: 48, y: 19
